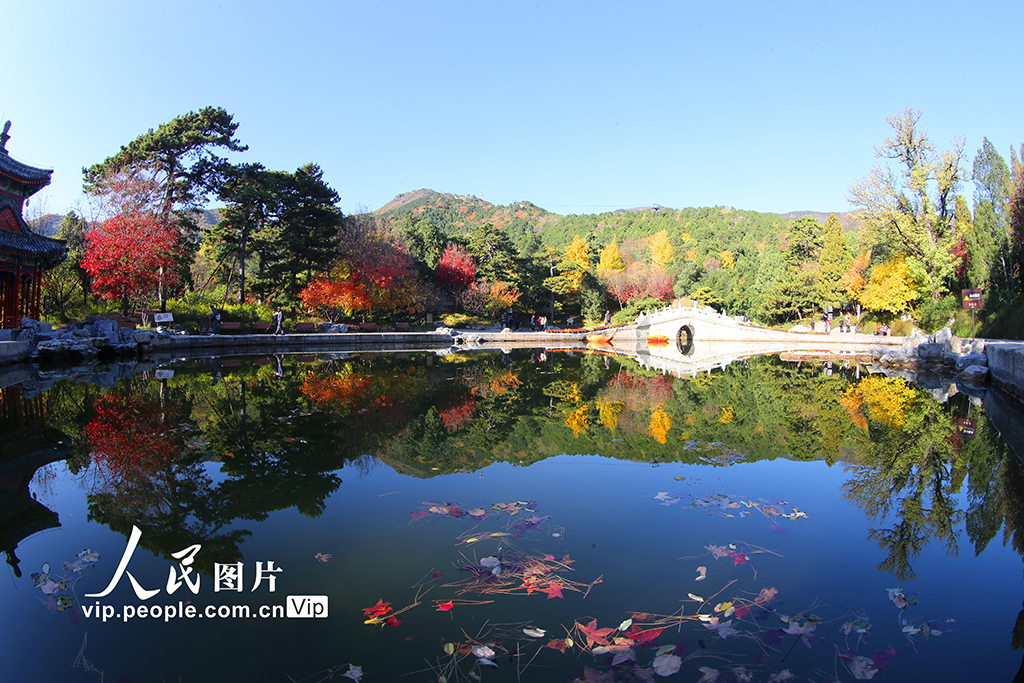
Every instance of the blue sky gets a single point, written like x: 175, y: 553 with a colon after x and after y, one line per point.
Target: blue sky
x: 579, y: 107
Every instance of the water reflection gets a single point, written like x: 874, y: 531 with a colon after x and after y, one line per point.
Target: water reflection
x: 205, y: 452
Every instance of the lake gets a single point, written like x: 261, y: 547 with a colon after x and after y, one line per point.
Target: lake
x: 524, y: 516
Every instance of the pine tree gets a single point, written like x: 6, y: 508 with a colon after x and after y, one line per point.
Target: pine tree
x: 833, y: 264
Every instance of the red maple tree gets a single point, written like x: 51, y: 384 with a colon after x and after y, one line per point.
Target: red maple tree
x: 456, y: 269
x: 124, y: 256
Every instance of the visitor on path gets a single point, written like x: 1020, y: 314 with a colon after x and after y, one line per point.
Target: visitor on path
x: 278, y: 321
x: 607, y: 316
x: 848, y: 328
x: 214, y: 321
x: 533, y: 321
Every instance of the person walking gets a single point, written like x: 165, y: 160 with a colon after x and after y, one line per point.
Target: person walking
x: 214, y: 321
x: 607, y: 316
x: 278, y: 321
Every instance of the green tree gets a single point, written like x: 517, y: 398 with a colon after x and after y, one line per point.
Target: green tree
x: 804, y: 241
x: 909, y: 208
x: 495, y: 255
x: 425, y: 241
x: 833, y: 263
x: 305, y: 239
x: 254, y: 203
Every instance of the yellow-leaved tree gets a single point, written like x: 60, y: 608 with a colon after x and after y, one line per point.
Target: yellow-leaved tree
x: 611, y: 259
x: 661, y: 249
x: 891, y: 288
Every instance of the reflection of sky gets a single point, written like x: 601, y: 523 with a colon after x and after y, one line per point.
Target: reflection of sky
x: 613, y: 527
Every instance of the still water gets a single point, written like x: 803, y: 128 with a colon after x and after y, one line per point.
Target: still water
x: 528, y: 516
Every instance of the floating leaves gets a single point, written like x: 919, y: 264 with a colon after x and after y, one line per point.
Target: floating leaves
x: 667, y: 664
x: 321, y: 557
x: 354, y: 672
x: 57, y: 588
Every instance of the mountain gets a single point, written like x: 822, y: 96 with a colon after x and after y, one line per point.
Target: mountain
x: 724, y: 225
x: 47, y: 225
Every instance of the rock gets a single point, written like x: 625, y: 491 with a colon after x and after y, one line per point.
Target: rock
x: 27, y: 334
x: 949, y: 359
x: 944, y: 335
x: 973, y: 374
x: 915, y: 341
x: 877, y: 352
x: 142, y: 336
x: 971, y: 359
x: 930, y: 353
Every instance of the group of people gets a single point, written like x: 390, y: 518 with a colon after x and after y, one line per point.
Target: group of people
x: 845, y: 324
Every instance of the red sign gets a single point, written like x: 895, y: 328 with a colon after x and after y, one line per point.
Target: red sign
x: 972, y: 298
x: 965, y: 427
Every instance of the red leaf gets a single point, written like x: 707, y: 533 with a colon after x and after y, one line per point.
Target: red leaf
x: 393, y: 621
x: 445, y: 606
x: 378, y: 610
x: 642, y: 636
x: 554, y: 590
x: 594, y: 634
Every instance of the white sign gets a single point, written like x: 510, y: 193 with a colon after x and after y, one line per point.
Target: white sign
x: 164, y: 374
x: 163, y: 317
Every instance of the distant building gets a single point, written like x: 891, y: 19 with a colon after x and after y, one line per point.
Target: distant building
x: 24, y: 255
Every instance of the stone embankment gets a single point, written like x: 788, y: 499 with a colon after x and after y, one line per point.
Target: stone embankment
x: 940, y: 352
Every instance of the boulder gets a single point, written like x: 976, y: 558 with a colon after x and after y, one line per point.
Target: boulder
x: 971, y: 359
x: 944, y: 335
x: 973, y: 374
x: 930, y: 353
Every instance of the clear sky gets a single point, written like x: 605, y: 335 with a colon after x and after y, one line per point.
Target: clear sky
x: 579, y: 107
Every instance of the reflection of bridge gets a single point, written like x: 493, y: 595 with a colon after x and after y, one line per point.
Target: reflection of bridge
x: 686, y: 341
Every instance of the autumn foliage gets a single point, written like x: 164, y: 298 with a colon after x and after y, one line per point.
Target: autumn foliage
x: 456, y: 269
x: 124, y: 256
x: 132, y: 437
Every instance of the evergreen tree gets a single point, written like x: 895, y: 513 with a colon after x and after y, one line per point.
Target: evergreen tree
x: 254, y: 199
x: 425, y: 241
x: 305, y: 239
x: 832, y: 264
x: 495, y: 255
x: 804, y: 241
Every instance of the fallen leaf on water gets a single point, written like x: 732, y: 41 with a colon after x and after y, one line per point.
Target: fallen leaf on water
x: 354, y: 672
x: 445, y: 606
x: 393, y: 621
x: 378, y: 610
x: 558, y: 644
x: 624, y: 626
x: 322, y: 557
x: 666, y: 665
x: 534, y: 632
x: 702, y: 573
x: 483, y: 652
x: 594, y: 635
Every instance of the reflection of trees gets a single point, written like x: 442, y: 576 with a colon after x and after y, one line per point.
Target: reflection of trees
x: 914, y: 471
x: 145, y: 475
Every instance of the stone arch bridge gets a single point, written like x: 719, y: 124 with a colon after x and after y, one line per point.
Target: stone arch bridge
x: 689, y: 340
